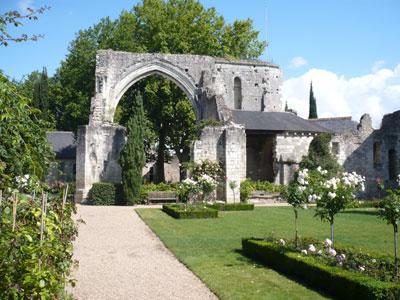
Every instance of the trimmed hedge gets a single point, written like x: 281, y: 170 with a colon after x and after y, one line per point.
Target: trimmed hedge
x: 106, y: 193
x: 231, y: 206
x: 334, y: 280
x: 181, y: 211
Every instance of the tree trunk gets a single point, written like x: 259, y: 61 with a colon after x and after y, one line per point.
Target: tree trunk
x: 396, y: 263
x: 183, y: 158
x: 160, y: 174
x: 332, y: 232
x: 296, y: 231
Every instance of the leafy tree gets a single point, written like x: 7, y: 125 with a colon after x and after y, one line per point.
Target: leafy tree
x: 320, y: 155
x: 132, y: 157
x: 390, y: 212
x: 36, y: 87
x: 15, y: 18
x: 74, y: 81
x: 313, y: 105
x: 335, y: 195
x: 23, y: 148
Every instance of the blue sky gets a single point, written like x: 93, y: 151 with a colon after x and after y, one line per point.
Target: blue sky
x: 340, y: 40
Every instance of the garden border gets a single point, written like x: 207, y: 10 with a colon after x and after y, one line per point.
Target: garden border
x: 232, y: 206
x: 333, y: 280
x: 174, y: 211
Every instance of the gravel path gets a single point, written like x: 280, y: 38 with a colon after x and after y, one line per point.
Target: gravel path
x: 121, y: 258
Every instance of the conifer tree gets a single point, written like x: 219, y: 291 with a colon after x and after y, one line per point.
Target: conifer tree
x: 41, y: 92
x: 313, y: 105
x: 132, y: 156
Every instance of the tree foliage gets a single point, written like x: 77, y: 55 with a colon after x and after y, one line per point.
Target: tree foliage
x: 313, y: 105
x: 132, y: 156
x: 15, y: 18
x: 23, y: 148
x: 320, y: 155
x: 36, y: 88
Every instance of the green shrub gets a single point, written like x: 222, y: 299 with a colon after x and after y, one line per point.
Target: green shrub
x: 248, y: 186
x: 334, y: 280
x: 231, y: 206
x: 182, y: 211
x: 106, y: 193
x: 22, y: 275
x: 367, y: 204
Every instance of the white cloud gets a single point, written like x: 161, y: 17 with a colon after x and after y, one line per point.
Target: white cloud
x: 298, y: 62
x: 378, y: 65
x: 24, y: 4
x: 377, y: 93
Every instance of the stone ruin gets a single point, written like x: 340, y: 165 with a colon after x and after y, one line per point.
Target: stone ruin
x: 258, y: 139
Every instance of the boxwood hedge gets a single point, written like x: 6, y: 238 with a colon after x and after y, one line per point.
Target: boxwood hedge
x: 231, y: 206
x: 336, y: 281
x: 106, y: 193
x: 182, y: 211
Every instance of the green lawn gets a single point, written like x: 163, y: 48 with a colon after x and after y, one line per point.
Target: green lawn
x: 211, y: 247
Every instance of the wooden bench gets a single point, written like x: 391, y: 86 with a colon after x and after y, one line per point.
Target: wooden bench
x: 162, y: 197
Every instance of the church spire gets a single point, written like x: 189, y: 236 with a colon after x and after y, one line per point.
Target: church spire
x: 313, y: 105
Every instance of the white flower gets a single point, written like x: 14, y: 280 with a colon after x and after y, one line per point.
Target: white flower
x: 373, y: 260
x: 312, y: 248
x: 304, y: 251
x: 331, y: 195
x: 301, y: 188
x: 282, y: 242
x: 361, y: 268
x: 189, y: 181
x: 319, y: 252
x: 331, y: 252
x: 328, y: 243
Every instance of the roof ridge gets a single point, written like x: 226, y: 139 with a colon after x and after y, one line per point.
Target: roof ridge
x: 332, y: 118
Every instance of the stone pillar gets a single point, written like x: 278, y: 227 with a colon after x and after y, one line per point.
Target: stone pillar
x: 226, y: 144
x: 97, y: 158
x: 235, y: 160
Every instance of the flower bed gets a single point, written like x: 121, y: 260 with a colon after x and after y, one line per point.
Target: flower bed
x: 362, y: 276
x: 231, y: 206
x: 182, y: 211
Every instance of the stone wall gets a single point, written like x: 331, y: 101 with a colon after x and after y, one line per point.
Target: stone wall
x: 225, y: 144
x: 116, y: 71
x: 98, y: 152
x: 356, y: 150
x: 289, y: 150
x: 260, y: 83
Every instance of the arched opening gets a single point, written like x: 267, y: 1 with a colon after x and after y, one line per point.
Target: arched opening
x: 237, y: 93
x: 392, y: 159
x: 164, y: 69
x: 169, y: 125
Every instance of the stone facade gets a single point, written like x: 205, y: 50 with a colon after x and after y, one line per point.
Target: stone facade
x: 288, y: 152
x: 369, y: 152
x: 208, y: 82
x: 245, y: 96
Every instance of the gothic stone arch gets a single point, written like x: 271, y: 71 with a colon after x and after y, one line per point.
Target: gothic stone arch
x: 208, y: 83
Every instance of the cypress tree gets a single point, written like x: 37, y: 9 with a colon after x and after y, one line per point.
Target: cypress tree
x: 313, y: 105
x: 132, y: 158
x: 41, y: 91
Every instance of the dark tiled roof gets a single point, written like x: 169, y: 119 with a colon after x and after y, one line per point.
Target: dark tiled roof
x: 336, y: 125
x: 274, y: 121
x: 64, y: 144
